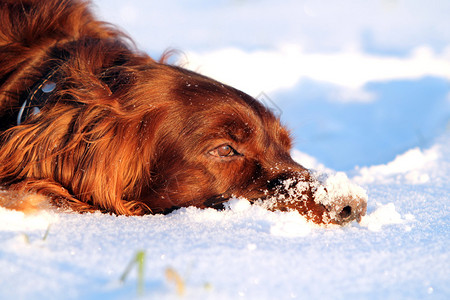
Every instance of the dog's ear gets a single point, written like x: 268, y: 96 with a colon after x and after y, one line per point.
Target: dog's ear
x: 93, y: 137
x: 100, y: 161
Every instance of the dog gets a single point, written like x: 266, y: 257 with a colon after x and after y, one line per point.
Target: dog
x: 89, y: 123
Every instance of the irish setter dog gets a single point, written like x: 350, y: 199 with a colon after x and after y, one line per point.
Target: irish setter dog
x: 90, y: 123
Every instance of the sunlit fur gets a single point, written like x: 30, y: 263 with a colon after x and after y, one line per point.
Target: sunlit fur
x: 124, y: 133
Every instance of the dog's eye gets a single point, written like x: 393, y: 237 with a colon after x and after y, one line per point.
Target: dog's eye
x: 223, y: 151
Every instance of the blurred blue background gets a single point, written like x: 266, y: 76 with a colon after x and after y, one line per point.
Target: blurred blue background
x: 394, y: 94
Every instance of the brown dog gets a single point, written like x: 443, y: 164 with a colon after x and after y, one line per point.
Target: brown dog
x: 93, y: 124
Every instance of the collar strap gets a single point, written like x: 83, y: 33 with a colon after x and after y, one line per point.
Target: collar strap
x: 38, y: 96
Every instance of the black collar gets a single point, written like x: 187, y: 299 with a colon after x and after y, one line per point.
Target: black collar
x: 37, y: 98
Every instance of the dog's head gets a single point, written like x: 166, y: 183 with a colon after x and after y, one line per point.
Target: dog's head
x: 215, y: 142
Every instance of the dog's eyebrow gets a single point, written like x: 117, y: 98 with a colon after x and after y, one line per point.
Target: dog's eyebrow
x: 239, y: 130
x: 235, y: 137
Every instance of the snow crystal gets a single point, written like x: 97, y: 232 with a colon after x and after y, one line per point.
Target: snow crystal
x: 338, y: 186
x: 291, y: 225
x: 238, y: 204
x: 410, y: 167
x: 384, y: 215
x: 11, y: 220
x: 252, y: 247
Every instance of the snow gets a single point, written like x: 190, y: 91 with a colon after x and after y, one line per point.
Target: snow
x: 399, y: 250
x: 384, y: 215
x: 18, y: 221
x: 361, y: 68
x: 408, y: 168
x: 338, y: 186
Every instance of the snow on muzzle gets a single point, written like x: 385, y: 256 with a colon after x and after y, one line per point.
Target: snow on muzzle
x: 330, y: 200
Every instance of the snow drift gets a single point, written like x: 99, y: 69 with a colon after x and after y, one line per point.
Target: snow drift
x: 399, y: 250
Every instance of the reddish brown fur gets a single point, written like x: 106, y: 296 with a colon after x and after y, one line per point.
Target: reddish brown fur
x: 124, y: 133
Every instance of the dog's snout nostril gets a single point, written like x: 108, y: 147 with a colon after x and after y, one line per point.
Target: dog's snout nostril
x: 345, y: 212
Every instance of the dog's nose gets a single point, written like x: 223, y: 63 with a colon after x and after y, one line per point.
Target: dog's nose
x: 346, y: 209
x: 333, y: 201
x: 346, y: 212
x: 343, y: 200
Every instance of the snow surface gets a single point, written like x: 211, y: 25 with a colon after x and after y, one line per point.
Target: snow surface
x: 378, y: 109
x: 398, y: 251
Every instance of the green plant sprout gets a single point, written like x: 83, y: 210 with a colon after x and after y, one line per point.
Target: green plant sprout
x: 44, y: 238
x: 139, y: 260
x: 27, y: 240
